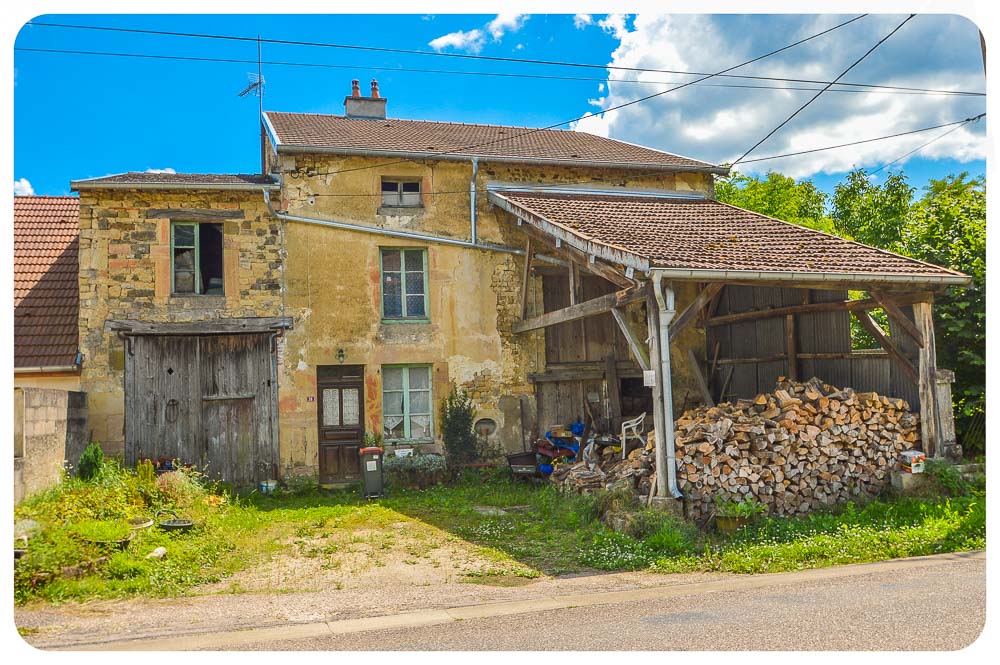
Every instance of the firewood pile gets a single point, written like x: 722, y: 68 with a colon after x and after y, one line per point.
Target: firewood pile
x: 801, y: 447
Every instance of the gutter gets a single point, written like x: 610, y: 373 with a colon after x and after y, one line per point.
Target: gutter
x: 54, y: 369
x: 394, y: 233
x: 790, y: 276
x: 666, y: 465
x: 80, y: 185
x: 409, y: 154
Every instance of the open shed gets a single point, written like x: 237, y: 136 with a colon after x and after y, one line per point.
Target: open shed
x: 645, y: 269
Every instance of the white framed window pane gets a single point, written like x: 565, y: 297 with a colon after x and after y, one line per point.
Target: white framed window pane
x: 392, y: 403
x: 331, y: 407
x: 410, y: 199
x: 420, y: 427
x: 392, y: 427
x: 420, y: 401
x: 411, y: 187
x: 420, y: 378
x: 392, y: 378
x: 351, y: 406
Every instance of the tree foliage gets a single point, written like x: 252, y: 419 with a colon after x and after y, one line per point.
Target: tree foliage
x: 457, y: 415
x: 871, y: 213
x: 777, y: 195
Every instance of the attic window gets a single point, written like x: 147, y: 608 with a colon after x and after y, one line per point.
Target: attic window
x: 196, y: 258
x: 400, y: 193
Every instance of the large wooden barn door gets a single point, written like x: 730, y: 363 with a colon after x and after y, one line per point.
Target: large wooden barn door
x: 204, y: 400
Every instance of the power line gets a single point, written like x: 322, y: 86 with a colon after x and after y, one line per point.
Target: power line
x: 817, y: 95
x: 459, y: 72
x: 924, y: 145
x: 879, y: 138
x: 613, y: 108
x: 557, y: 63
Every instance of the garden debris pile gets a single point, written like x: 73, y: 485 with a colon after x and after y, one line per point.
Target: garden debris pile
x: 801, y: 447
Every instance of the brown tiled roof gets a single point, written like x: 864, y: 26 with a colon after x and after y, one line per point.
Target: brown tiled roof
x: 705, y: 235
x: 46, y: 287
x: 177, y: 179
x: 392, y: 135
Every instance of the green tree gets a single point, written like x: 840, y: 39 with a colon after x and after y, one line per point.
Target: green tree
x: 779, y: 196
x: 871, y: 213
x: 948, y: 227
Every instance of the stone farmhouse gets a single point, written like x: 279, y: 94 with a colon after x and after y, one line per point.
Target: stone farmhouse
x: 261, y: 324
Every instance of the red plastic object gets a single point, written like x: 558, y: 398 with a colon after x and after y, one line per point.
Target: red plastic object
x: 374, y: 449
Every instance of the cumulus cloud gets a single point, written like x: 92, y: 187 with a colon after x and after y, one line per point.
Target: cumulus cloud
x: 460, y: 40
x: 166, y: 170
x: 23, y: 188
x: 473, y: 40
x: 581, y: 21
x: 504, y: 23
x: 718, y: 124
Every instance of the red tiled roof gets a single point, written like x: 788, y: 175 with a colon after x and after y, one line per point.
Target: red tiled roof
x: 239, y: 180
x: 704, y: 235
x: 392, y: 135
x: 46, y: 287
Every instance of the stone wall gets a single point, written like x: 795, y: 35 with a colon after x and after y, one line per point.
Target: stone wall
x: 50, y: 428
x: 125, y: 274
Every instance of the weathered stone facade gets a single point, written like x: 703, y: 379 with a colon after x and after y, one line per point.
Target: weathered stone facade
x: 125, y: 274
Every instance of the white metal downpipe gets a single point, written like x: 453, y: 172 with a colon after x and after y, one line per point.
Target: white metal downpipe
x: 665, y: 304
x: 472, y: 197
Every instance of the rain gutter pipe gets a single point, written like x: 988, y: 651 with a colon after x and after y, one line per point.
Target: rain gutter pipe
x: 666, y: 465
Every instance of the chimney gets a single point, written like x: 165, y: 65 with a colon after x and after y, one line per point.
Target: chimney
x: 366, y: 108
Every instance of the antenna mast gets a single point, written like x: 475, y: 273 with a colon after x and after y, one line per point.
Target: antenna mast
x: 256, y: 87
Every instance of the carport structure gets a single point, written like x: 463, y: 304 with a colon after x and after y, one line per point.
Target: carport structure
x: 772, y: 297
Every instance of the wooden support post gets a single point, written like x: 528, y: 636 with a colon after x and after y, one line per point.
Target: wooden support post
x: 653, y: 325
x: 699, y: 379
x: 690, y: 313
x: 790, y: 348
x: 529, y: 254
x: 634, y: 343
x: 614, y: 388
x: 927, y: 369
x: 869, y: 324
x: 574, y: 283
x: 898, y: 318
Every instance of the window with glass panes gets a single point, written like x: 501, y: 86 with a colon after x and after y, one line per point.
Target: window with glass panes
x: 404, y: 284
x: 196, y: 259
x: 401, y: 193
x: 406, y: 402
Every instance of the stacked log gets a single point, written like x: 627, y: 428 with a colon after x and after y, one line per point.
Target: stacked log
x: 802, y: 447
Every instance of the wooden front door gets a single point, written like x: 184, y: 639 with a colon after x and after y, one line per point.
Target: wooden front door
x: 341, y: 418
x: 206, y: 400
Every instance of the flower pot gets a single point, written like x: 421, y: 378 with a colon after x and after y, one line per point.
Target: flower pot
x: 729, y: 524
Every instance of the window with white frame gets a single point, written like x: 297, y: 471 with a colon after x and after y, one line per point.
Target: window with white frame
x: 401, y: 193
x: 406, y: 402
x: 404, y: 284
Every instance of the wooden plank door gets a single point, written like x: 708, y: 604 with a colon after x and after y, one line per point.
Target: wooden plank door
x: 341, y: 417
x: 162, y: 399
x: 236, y: 390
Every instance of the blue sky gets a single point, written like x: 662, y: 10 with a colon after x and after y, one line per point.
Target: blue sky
x: 126, y: 113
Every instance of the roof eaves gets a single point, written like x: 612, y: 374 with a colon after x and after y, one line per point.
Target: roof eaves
x: 702, y: 274
x: 78, y: 185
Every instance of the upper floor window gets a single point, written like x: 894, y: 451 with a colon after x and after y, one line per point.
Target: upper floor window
x: 404, y: 284
x: 401, y: 192
x: 196, y: 258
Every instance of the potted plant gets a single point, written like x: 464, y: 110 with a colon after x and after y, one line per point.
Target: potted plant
x: 731, y: 515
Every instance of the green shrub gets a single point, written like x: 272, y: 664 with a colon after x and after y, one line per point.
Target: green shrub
x: 416, y: 470
x: 745, y: 507
x: 947, y: 477
x: 101, y: 531
x: 663, y: 533
x: 121, y: 566
x: 457, y: 416
x: 91, y: 462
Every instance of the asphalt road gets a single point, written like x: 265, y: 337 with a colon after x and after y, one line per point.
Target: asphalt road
x: 941, y: 607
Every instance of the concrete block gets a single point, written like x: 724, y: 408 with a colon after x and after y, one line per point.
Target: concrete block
x: 906, y: 483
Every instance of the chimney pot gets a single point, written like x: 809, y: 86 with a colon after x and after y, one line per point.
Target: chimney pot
x: 375, y: 94
x: 355, y: 88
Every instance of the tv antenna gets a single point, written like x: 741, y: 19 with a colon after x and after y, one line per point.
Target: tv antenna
x: 255, y: 87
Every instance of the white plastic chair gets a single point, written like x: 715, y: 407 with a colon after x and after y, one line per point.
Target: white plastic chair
x: 632, y: 429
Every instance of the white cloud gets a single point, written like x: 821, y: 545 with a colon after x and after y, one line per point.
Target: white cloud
x: 166, y: 170
x: 472, y: 41
x: 581, y: 21
x: 718, y: 124
x: 505, y: 22
x: 23, y: 188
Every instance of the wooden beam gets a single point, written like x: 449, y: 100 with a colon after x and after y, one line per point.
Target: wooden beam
x: 195, y: 214
x: 614, y: 389
x: 898, y: 316
x: 690, y: 313
x: 635, y: 345
x: 791, y: 348
x: 699, y: 379
x: 576, y: 256
x: 574, y: 283
x: 529, y: 254
x: 263, y: 324
x: 927, y: 371
x: 582, y: 310
x: 837, y: 305
x: 869, y: 324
